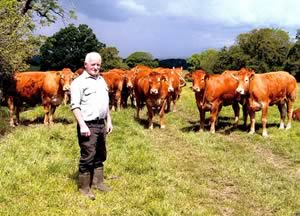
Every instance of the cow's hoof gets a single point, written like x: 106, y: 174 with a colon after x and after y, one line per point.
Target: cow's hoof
x: 265, y: 135
x: 163, y: 126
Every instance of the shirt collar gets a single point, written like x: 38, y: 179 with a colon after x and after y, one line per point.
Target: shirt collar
x: 86, y: 75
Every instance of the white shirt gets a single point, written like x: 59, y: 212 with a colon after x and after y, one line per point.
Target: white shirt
x: 90, y: 95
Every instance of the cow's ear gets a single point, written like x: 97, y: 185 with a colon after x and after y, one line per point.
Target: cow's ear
x: 252, y: 73
x: 164, y: 78
x: 206, y: 77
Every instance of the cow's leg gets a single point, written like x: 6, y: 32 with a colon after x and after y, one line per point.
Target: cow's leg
x: 168, y: 105
x: 118, y: 100
x: 18, y: 109
x: 138, y: 106
x: 202, y: 120
x: 112, y: 98
x: 174, y: 101
x: 264, y: 120
x: 161, y: 115
x: 150, y: 117
x: 236, y: 110
x: 252, y: 121
x: 46, y: 111
x: 282, y: 111
x: 11, y: 108
x: 51, y: 114
x: 213, y: 118
x: 289, y: 113
x: 66, y: 97
x: 245, y: 115
x: 132, y: 99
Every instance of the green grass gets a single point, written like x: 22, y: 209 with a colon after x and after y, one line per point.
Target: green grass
x: 172, y: 171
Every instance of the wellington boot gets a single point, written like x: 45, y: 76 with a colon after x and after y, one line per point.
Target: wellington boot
x: 98, y: 180
x: 84, y: 180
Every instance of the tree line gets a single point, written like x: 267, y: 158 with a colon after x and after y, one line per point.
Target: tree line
x: 264, y: 49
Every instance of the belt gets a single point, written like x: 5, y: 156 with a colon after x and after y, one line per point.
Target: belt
x: 96, y: 121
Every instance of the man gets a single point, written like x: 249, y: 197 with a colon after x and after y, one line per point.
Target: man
x: 90, y: 105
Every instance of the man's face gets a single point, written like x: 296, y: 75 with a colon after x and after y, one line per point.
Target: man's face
x: 93, y: 66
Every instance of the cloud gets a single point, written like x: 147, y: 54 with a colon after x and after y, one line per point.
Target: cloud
x: 180, y: 28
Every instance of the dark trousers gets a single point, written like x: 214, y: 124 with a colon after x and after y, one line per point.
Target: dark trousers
x: 92, y: 148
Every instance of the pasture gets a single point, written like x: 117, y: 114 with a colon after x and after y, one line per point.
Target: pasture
x: 171, y: 171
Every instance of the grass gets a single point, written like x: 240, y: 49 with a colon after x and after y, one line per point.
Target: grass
x: 174, y: 171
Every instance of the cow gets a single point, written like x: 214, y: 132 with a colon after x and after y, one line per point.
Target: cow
x: 175, y: 83
x: 296, y: 115
x: 114, y: 79
x: 38, y: 87
x: 264, y: 90
x: 211, y: 93
x: 128, y: 87
x: 151, y: 89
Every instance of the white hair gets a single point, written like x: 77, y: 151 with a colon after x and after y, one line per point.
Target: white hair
x: 92, y: 55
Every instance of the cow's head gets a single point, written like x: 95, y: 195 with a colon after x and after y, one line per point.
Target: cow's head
x: 155, y: 81
x: 199, y: 78
x: 129, y: 78
x: 244, y: 77
x: 66, y: 76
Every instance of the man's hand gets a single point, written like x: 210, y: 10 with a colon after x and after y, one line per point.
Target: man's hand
x: 85, y: 131
x: 109, y: 127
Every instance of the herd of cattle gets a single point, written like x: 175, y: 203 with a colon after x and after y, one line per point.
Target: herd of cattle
x: 159, y: 87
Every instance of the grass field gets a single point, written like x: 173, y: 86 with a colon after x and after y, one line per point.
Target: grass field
x: 171, y: 171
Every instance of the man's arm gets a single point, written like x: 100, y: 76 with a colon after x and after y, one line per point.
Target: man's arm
x: 109, y: 126
x: 84, y: 130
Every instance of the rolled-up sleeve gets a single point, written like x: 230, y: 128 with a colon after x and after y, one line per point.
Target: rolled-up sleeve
x: 75, y: 92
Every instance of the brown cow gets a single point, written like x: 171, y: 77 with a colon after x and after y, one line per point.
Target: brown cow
x: 114, y: 79
x: 296, y: 115
x: 128, y: 88
x: 264, y: 90
x: 38, y: 87
x: 151, y: 89
x: 175, y: 82
x: 212, y: 92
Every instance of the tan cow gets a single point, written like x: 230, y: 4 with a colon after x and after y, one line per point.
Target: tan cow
x: 212, y: 92
x: 264, y: 90
x: 38, y: 87
x: 151, y: 89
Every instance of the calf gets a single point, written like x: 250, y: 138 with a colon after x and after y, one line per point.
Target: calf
x: 264, y: 90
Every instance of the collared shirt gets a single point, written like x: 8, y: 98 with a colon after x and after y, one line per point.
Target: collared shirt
x: 90, y: 95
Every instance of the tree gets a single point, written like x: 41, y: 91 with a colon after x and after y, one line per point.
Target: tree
x: 223, y: 61
x: 170, y: 63
x: 292, y: 63
x: 141, y: 58
x: 67, y: 48
x: 194, y: 62
x: 111, y: 59
x: 48, y: 11
x: 17, y: 43
x: 266, y: 48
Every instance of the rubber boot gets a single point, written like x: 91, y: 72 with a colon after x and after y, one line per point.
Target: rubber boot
x: 98, y: 180
x: 84, y: 180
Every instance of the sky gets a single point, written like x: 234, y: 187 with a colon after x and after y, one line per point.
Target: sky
x: 177, y: 28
